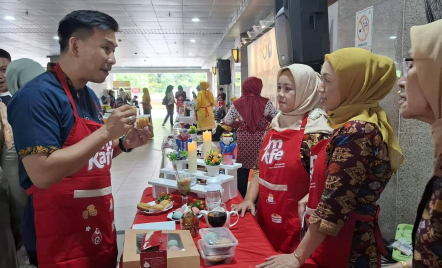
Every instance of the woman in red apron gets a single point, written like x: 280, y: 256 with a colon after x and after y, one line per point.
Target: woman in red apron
x: 284, y: 162
x: 360, y: 159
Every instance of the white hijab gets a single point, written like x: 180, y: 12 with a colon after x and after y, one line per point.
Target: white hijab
x: 307, y: 100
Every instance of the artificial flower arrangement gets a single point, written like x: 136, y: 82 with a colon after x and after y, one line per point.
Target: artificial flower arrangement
x: 213, y: 158
x: 192, y: 130
x: 177, y: 155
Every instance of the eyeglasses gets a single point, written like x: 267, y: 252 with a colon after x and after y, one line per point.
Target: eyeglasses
x: 407, y: 64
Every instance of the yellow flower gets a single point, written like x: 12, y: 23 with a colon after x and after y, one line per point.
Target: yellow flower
x: 219, y: 155
x: 215, y: 159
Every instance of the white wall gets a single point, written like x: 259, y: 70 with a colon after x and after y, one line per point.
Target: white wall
x: 333, y: 13
x: 263, y: 63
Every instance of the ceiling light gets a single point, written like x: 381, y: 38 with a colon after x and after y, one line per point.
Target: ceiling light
x: 256, y: 29
x: 192, y: 41
x: 249, y: 34
x: 190, y: 53
x: 243, y: 39
x: 262, y: 23
x: 56, y: 38
x: 195, y: 19
x: 235, y: 54
x: 9, y: 18
x: 393, y: 37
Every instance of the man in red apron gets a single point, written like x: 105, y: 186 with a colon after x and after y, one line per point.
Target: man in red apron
x: 66, y: 151
x: 283, y: 182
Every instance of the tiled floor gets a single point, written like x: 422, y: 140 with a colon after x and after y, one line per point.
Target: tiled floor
x: 131, y: 173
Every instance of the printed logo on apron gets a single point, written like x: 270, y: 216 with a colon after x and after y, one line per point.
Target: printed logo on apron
x: 97, y: 237
x: 146, y: 264
x: 276, y: 218
x: 102, y: 158
x: 273, y: 152
x: 270, y: 199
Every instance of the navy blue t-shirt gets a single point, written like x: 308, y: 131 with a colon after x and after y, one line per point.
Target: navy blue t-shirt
x: 42, y: 117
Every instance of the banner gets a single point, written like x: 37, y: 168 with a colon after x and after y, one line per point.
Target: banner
x: 121, y: 84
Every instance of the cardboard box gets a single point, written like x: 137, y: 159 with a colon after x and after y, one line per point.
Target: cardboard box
x: 188, y: 258
x: 154, y: 250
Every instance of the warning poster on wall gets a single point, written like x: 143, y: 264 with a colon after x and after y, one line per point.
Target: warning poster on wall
x: 364, y: 29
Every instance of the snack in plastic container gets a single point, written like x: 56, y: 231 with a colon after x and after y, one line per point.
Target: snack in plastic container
x: 218, y: 241
x: 212, y: 260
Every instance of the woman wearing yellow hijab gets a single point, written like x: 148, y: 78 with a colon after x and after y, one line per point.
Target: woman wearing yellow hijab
x: 361, y: 157
x: 203, y: 108
x: 422, y: 100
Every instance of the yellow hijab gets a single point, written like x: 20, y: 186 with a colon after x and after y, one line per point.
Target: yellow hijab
x: 426, y: 42
x: 365, y: 79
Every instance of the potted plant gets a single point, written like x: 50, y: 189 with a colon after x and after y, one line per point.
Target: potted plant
x: 177, y: 158
x: 193, y: 133
x: 213, y: 160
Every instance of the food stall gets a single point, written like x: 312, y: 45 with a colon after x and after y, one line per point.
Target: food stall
x: 194, y: 202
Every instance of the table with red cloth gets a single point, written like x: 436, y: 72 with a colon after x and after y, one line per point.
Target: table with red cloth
x: 253, y: 247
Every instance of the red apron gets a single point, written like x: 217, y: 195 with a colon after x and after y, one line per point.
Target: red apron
x: 334, y: 251
x: 207, y: 112
x: 179, y: 103
x: 74, y: 219
x: 283, y: 183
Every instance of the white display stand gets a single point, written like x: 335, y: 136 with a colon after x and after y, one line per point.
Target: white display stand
x: 168, y: 184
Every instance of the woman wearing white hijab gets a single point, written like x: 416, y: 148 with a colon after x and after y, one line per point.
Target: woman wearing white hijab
x: 284, y: 162
x: 19, y: 72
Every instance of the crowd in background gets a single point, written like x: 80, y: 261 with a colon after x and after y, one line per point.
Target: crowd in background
x: 318, y: 165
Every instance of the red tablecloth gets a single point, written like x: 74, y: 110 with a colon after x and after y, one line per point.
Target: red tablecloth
x: 253, y: 247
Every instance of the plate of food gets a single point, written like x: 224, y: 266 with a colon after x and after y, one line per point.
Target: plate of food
x: 196, y: 206
x: 162, y: 204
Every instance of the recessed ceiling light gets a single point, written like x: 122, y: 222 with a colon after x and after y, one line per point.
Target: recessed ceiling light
x: 192, y: 41
x: 393, y: 37
x: 56, y: 38
x: 195, y: 19
x: 9, y: 18
x: 190, y: 53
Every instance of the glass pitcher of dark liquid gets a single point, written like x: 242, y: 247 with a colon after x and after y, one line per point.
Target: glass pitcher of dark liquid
x: 219, y: 217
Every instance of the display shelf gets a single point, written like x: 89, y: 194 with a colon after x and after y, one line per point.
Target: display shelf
x: 199, y: 174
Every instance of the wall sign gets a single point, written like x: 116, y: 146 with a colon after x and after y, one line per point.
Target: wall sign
x: 364, y: 29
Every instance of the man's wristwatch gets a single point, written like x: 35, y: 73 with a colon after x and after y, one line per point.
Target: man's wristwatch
x: 120, y: 144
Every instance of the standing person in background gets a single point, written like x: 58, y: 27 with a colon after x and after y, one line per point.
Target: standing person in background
x: 18, y: 74
x: 50, y: 66
x: 105, y: 99
x: 254, y: 113
x: 180, y: 97
x: 112, y: 98
x: 5, y: 59
x: 204, y: 108
x: 135, y: 102
x: 221, y: 98
x: 8, y: 232
x: 169, y: 101
x: 147, y: 107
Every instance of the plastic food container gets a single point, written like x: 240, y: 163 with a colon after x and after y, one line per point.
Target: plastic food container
x: 218, y: 241
x: 213, y: 260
